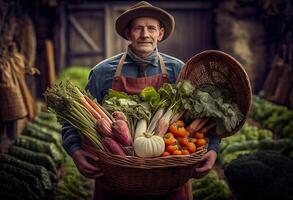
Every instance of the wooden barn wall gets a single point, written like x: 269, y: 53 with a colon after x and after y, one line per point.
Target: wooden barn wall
x: 87, y: 31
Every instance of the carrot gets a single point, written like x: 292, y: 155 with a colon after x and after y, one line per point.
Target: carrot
x: 176, y: 117
x: 90, y: 108
x: 208, y: 127
x: 202, y: 123
x: 193, y: 127
x: 110, y: 117
x: 163, y: 123
x: 97, y: 109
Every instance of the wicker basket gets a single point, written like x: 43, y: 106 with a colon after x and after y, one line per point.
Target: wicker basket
x: 212, y: 67
x: 147, y: 176
x: 12, y: 104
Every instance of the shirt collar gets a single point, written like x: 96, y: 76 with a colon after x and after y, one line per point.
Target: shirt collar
x: 152, y: 59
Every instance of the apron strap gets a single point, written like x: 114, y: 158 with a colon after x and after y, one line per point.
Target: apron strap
x: 121, y: 61
x: 162, y: 66
x: 120, y: 64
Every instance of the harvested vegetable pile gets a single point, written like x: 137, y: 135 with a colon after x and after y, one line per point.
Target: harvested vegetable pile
x: 38, y: 168
x: 250, y: 140
x: 275, y: 117
x: 263, y: 175
x: 72, y: 185
x: 71, y: 105
x: 210, y: 187
x: 78, y: 75
x: 126, y: 122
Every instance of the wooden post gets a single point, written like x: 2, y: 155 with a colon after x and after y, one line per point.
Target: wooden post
x: 50, y: 62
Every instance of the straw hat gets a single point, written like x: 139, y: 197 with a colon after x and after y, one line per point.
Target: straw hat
x: 145, y: 9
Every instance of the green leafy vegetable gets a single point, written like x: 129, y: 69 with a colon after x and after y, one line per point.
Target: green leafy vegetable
x: 78, y: 75
x: 150, y: 95
x: 64, y: 100
x: 214, y: 102
x: 120, y: 95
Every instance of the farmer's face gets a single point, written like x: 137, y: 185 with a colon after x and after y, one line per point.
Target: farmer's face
x: 144, y: 34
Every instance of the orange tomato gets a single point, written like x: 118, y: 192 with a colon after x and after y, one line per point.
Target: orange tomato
x: 171, y: 148
x: 166, y: 153
x: 169, y: 135
x: 187, y: 133
x: 201, y: 142
x: 199, y: 135
x: 177, y: 152
x: 181, y: 132
x: 193, y: 140
x: 185, y: 152
x: 169, y: 139
x: 183, y: 141
x: 191, y: 147
x: 180, y: 123
x: 177, y: 130
x: 173, y: 128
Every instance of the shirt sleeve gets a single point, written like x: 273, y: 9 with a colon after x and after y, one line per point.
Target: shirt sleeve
x: 70, y: 138
x: 177, y: 69
x: 94, y: 86
x: 214, y: 143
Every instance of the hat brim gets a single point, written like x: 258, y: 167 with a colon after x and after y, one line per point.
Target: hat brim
x: 164, y: 17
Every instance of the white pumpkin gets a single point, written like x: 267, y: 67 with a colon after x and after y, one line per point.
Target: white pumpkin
x: 149, y: 145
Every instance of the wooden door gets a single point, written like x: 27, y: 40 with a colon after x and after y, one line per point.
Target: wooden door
x: 84, y: 33
x: 89, y: 34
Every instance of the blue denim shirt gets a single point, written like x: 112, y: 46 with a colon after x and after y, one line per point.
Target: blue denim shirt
x: 100, y: 81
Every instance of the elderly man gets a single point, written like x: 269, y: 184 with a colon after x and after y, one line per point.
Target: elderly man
x: 140, y: 66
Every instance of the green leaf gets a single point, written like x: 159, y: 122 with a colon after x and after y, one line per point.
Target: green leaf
x: 150, y: 95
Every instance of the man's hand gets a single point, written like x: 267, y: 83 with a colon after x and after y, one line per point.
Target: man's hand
x: 208, y: 161
x: 82, y: 160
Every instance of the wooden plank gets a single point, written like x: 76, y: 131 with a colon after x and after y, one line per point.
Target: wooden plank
x: 67, y: 43
x: 62, y: 39
x: 107, y: 29
x: 87, y: 6
x: 193, y: 30
x: 183, y: 5
x: 50, y: 62
x: 83, y: 33
x: 90, y: 13
x: 84, y: 54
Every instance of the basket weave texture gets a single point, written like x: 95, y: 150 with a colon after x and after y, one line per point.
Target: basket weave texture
x: 147, y: 176
x: 12, y: 104
x: 213, y: 67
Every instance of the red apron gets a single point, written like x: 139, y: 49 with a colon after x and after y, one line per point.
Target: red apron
x: 133, y: 85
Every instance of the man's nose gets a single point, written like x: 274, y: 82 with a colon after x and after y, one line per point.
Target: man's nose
x: 145, y: 33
